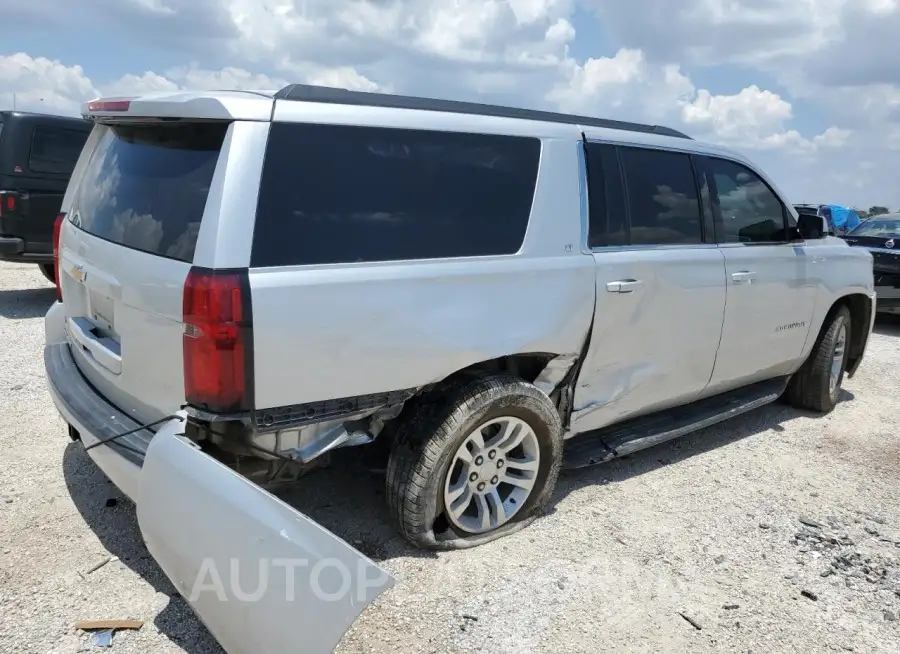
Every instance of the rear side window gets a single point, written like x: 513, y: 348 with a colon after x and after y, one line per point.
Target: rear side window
x: 750, y: 211
x: 339, y: 194
x: 662, y: 197
x: 145, y: 186
x: 55, y: 150
x: 606, y: 198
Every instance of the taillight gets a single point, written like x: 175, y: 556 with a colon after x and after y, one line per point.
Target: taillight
x: 57, y: 230
x: 218, y: 340
x: 8, y: 202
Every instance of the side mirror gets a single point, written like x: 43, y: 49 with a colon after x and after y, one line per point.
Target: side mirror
x: 811, y: 227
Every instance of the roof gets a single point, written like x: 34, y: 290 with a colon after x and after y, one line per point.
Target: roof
x: 328, y: 95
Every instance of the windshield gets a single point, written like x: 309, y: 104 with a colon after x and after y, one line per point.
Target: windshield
x: 879, y: 227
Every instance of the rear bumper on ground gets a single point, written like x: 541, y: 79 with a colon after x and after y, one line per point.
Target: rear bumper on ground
x: 260, y: 575
x: 95, y: 419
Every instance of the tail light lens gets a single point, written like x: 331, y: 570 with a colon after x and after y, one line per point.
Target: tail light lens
x: 8, y: 202
x: 57, y: 230
x: 218, y: 340
x: 109, y: 105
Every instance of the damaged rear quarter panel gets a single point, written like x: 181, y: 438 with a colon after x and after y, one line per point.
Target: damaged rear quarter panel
x: 324, y: 332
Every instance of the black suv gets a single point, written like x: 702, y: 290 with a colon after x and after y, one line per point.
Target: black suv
x: 37, y: 155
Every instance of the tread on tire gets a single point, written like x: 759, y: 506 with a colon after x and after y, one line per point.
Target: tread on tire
x: 434, y: 426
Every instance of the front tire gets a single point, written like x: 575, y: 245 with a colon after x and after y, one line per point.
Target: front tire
x: 817, y: 385
x: 49, y: 271
x: 473, y: 461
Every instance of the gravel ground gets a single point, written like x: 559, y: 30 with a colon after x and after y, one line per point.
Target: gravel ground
x: 698, y: 545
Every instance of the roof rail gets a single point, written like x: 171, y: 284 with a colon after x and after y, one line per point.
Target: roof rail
x: 329, y: 95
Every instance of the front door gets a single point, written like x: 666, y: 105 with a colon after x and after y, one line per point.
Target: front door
x: 660, y: 287
x: 768, y: 271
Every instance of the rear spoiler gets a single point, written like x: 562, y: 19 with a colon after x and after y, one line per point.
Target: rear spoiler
x: 191, y: 105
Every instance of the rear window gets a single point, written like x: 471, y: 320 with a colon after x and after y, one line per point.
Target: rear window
x: 145, y: 186
x: 339, y: 194
x: 55, y: 150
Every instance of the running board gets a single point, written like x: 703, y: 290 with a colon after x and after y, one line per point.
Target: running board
x: 636, y: 434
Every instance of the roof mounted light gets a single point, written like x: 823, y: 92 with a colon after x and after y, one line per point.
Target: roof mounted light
x: 109, y: 105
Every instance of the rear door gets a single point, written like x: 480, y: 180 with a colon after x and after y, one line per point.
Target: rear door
x: 660, y: 286
x: 771, y: 278
x: 127, y: 247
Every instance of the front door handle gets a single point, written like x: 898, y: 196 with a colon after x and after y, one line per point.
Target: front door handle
x: 623, y: 286
x: 743, y: 276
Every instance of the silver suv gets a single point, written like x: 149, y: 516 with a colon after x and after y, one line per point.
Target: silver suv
x: 249, y: 281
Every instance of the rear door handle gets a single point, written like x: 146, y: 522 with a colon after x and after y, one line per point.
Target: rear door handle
x: 623, y: 286
x: 104, y: 351
x: 743, y: 276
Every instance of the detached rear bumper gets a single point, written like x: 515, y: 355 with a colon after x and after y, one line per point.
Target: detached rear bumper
x: 95, y: 419
x: 259, y: 574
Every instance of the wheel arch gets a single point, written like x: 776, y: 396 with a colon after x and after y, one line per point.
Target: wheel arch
x: 861, y: 308
x: 553, y: 373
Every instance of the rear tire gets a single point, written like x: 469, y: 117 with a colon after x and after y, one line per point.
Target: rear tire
x: 435, y: 462
x: 817, y: 385
x: 49, y: 271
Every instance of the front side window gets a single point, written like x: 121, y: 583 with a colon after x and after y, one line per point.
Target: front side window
x: 750, y: 211
x: 348, y: 194
x: 662, y: 197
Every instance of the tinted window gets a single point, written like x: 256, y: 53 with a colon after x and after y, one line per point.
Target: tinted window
x: 145, y: 187
x: 55, y: 150
x: 662, y: 197
x: 606, y: 198
x: 338, y: 194
x: 751, y: 213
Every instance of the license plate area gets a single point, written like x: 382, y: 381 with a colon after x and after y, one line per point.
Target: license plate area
x: 102, y: 313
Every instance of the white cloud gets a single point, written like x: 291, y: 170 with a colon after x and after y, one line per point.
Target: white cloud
x: 42, y: 84
x: 39, y: 84
x: 713, y: 32
x: 130, y: 84
x: 652, y: 61
x: 627, y: 85
x: 833, y: 137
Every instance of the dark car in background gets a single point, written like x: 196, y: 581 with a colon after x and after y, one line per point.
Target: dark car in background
x: 37, y: 155
x: 881, y: 236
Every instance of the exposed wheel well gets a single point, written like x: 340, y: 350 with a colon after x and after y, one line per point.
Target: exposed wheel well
x: 860, y: 307
x: 526, y: 366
